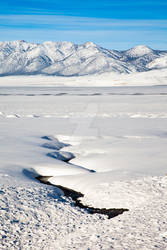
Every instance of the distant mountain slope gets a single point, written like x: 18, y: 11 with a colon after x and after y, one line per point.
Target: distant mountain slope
x: 68, y: 59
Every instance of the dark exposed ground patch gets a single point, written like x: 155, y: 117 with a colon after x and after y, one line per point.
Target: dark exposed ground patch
x: 74, y: 195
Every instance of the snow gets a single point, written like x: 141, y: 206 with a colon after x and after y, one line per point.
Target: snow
x: 149, y: 78
x: 65, y: 133
x: 138, y: 51
x: 158, y: 63
x: 36, y: 217
x: 68, y: 59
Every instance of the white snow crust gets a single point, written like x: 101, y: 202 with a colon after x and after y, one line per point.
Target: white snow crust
x: 64, y: 133
x: 35, y: 217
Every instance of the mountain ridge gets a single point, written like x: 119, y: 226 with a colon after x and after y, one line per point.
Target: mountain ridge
x: 68, y: 59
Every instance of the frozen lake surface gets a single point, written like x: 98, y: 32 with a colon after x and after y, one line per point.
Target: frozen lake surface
x: 118, y: 132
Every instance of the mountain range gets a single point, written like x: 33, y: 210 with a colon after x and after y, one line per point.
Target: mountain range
x: 69, y: 59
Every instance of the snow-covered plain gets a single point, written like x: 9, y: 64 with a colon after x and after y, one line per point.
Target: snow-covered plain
x: 148, y: 78
x: 119, y: 132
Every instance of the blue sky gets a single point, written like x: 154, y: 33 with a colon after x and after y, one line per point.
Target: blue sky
x: 115, y: 24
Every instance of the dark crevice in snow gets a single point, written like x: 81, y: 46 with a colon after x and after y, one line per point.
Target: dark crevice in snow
x: 74, y: 195
x: 61, y: 155
x: 54, y: 143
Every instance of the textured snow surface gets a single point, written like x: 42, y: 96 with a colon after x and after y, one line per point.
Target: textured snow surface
x: 36, y: 217
x: 119, y: 132
x: 68, y: 59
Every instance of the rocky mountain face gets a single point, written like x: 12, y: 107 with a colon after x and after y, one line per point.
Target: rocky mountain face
x: 68, y: 59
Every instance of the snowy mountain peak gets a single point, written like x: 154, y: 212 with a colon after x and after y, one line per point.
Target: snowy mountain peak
x: 90, y: 44
x: 139, y: 50
x: 69, y: 59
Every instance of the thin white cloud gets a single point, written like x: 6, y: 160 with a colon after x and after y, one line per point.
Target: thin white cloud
x: 77, y: 22
x: 111, y: 33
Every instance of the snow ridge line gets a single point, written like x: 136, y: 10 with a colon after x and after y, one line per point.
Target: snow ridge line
x: 89, y: 94
x: 135, y: 115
